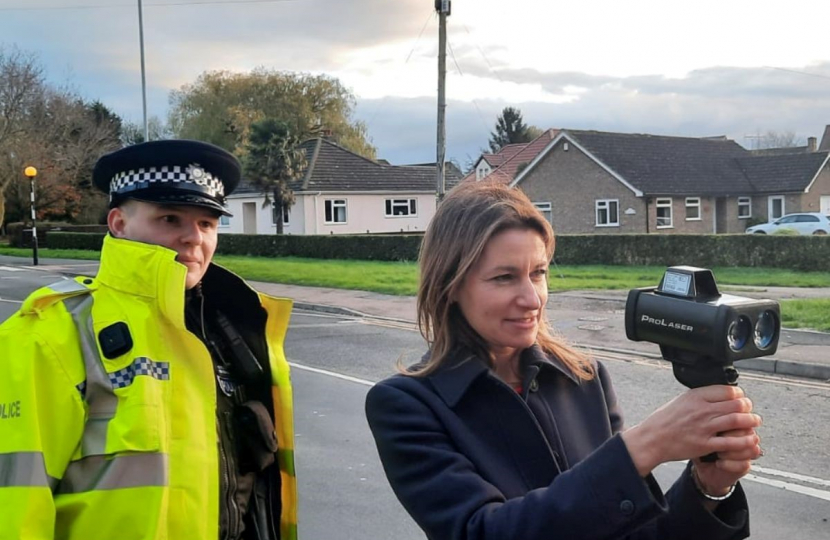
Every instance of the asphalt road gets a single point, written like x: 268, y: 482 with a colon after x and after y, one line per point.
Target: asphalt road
x: 344, y: 494
x: 789, y: 492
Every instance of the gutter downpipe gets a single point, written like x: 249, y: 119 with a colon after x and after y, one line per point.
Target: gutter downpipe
x: 316, y: 215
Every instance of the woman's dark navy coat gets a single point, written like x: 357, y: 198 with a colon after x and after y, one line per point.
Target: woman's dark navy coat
x: 470, y: 458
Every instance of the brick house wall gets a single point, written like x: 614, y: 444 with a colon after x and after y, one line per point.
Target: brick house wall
x: 572, y: 182
x: 680, y: 224
x: 811, y: 202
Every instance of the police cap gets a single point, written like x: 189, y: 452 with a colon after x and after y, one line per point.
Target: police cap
x: 179, y: 172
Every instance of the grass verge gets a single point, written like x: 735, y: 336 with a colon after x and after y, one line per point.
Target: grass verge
x: 811, y: 314
x: 401, y: 278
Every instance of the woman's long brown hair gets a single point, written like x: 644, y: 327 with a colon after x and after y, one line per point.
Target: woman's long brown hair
x: 470, y: 215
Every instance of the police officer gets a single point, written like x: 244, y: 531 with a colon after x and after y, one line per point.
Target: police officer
x: 152, y: 402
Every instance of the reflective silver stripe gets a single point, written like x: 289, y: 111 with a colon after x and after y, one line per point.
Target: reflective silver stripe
x: 100, y: 396
x: 69, y: 286
x: 98, y: 473
x: 24, y: 469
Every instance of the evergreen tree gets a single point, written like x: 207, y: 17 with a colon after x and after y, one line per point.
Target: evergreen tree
x: 510, y: 129
x: 272, y: 160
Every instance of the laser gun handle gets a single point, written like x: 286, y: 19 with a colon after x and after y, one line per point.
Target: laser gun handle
x: 706, y: 376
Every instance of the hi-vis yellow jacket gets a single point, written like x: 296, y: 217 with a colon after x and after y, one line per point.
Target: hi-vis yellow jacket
x: 122, y: 448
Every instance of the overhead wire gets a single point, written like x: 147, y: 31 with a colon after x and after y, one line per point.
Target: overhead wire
x: 382, y: 102
x: 132, y: 5
x: 799, y: 72
x: 475, y: 103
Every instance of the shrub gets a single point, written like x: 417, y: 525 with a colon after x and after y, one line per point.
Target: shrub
x: 20, y: 234
x: 735, y: 250
x: 785, y: 232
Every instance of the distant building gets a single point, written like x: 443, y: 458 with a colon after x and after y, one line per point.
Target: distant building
x: 341, y: 192
x: 601, y: 182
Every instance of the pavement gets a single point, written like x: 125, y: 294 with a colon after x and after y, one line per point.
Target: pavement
x: 589, y: 319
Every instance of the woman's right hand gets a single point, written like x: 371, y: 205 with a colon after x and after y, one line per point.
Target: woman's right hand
x: 692, y: 425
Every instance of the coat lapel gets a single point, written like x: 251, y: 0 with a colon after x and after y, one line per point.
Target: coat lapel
x: 466, y: 385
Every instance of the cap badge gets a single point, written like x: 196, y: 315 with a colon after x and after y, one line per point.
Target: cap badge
x: 197, y: 174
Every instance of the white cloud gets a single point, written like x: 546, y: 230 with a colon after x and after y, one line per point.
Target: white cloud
x: 642, y: 65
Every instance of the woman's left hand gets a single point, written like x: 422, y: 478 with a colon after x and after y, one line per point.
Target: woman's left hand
x: 716, y: 478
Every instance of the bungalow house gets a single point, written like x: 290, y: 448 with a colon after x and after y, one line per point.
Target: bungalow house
x: 341, y: 192
x: 600, y: 182
x: 510, y: 159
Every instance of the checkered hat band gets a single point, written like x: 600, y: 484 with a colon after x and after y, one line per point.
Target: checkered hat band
x: 140, y: 366
x: 174, y: 177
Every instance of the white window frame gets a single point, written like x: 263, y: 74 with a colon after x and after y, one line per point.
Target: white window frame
x: 285, y: 214
x: 546, y: 209
x: 407, y: 202
x: 224, y: 221
x: 693, y: 202
x: 664, y: 202
x: 605, y: 204
x: 745, y: 202
x: 336, y: 203
x: 783, y: 207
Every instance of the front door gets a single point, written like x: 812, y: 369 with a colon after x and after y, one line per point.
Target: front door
x: 249, y: 218
x: 720, y: 216
x: 825, y: 205
x: 776, y: 208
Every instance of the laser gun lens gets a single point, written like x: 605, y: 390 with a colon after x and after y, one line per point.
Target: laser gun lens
x: 739, y: 332
x: 765, y: 329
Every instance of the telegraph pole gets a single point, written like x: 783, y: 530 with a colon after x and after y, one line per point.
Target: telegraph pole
x: 143, y: 76
x: 443, y: 8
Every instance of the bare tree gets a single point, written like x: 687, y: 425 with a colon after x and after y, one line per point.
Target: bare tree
x: 21, y: 86
x: 776, y: 139
x: 55, y: 131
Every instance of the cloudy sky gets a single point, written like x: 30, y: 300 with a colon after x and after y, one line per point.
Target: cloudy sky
x: 710, y: 67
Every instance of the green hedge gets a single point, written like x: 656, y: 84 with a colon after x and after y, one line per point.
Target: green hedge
x: 360, y: 247
x: 737, y: 250
x: 20, y: 234
x: 707, y: 250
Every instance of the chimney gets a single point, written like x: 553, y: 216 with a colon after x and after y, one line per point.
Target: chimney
x: 812, y: 144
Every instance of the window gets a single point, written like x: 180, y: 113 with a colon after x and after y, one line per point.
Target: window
x: 335, y: 211
x: 224, y: 221
x: 664, y: 220
x: 546, y: 210
x: 806, y: 219
x: 692, y: 208
x: 776, y: 207
x: 608, y: 213
x: 744, y: 207
x: 401, y: 207
x: 285, y: 213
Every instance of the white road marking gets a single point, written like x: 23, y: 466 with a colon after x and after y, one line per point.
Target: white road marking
x: 787, y: 486
x: 11, y: 301
x: 364, y: 382
x: 323, y: 325
x: 12, y: 269
x: 792, y: 476
x: 633, y: 358
x: 780, y: 484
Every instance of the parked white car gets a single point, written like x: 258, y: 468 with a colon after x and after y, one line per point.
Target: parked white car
x: 807, y: 223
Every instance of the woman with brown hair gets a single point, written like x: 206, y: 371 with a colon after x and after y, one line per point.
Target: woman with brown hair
x: 503, y: 431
